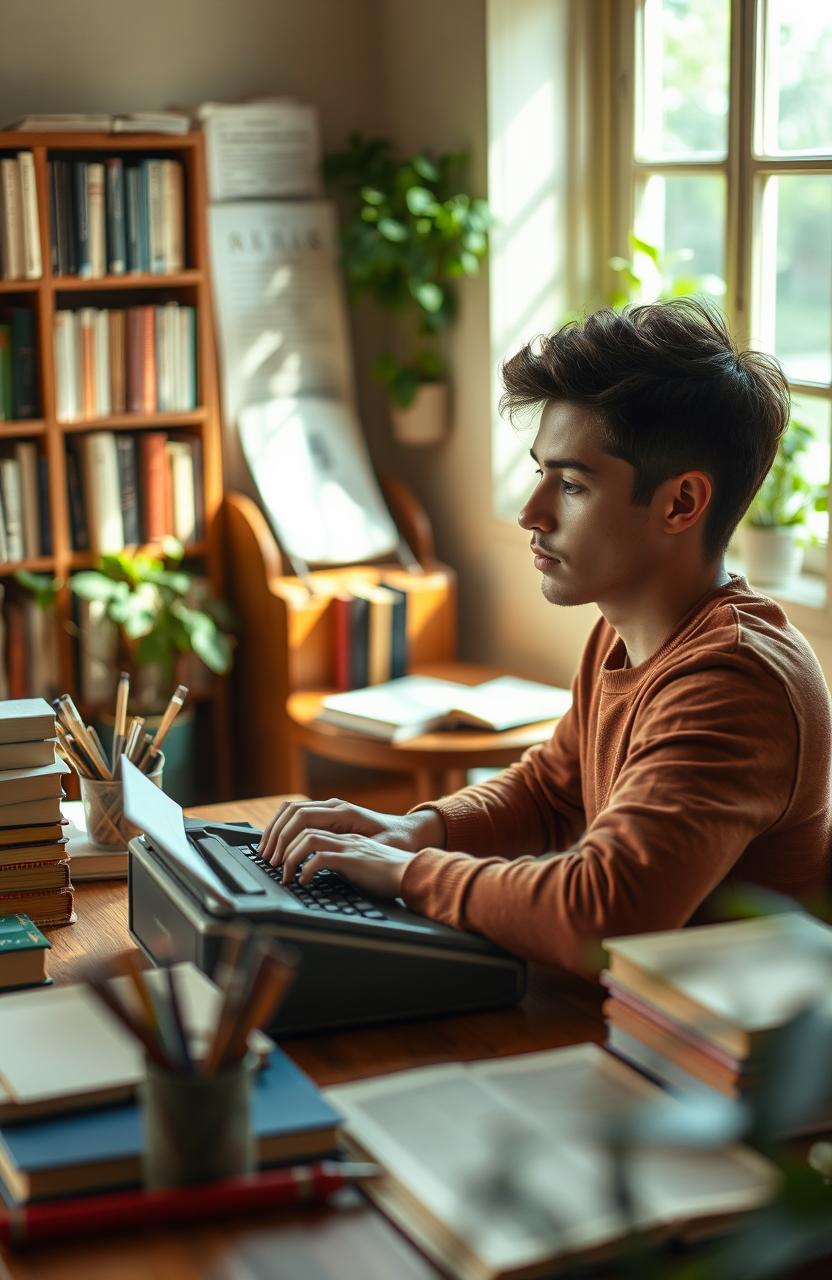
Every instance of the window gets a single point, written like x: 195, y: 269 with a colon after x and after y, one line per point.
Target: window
x: 725, y: 165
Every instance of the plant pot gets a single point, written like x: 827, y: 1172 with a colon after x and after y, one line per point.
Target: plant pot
x: 180, y: 749
x: 425, y: 421
x: 772, y: 555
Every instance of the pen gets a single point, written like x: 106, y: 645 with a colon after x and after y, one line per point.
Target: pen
x: 120, y: 1210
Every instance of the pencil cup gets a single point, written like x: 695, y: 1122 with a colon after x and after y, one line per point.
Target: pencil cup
x: 197, y: 1128
x: 106, y: 824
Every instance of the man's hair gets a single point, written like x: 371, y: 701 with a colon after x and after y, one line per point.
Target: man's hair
x: 673, y: 394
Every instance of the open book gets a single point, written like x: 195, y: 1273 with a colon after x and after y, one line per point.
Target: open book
x: 503, y: 1168
x: 404, y: 708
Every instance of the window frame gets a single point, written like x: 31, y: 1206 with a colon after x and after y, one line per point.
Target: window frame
x: 745, y: 170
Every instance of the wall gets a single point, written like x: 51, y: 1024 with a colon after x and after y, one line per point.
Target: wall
x: 435, y: 59
x: 85, y: 55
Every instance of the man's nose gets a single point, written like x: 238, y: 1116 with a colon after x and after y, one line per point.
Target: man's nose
x: 536, y: 514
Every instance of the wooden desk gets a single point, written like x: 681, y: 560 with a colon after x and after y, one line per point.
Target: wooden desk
x: 347, y: 1240
x: 437, y: 762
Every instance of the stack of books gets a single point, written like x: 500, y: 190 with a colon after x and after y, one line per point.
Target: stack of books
x: 20, y: 256
x: 695, y: 1008
x: 34, y: 869
x: 18, y: 364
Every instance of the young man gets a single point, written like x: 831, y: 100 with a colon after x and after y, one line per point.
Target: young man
x: 697, y: 748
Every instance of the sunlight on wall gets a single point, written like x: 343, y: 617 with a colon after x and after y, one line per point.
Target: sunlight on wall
x: 529, y: 249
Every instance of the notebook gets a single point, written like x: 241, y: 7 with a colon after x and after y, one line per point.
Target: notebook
x: 93, y: 1150
x: 61, y: 1050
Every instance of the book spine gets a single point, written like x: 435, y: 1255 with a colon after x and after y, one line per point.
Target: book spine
x: 54, y: 220
x: 32, y: 262
x: 5, y: 373
x: 359, y: 642
x: 341, y: 635
x: 199, y: 485
x: 116, y: 240
x: 97, y: 219
x: 12, y: 213
x: 164, y: 364
x: 12, y: 503
x: 66, y: 189
x: 181, y: 461
x: 116, y: 319
x: 132, y: 218
x: 75, y: 498
x: 86, y: 340
x: 147, y: 347
x: 4, y: 556
x: 83, y: 264
x: 24, y: 364
x: 45, y: 526
x: 398, y: 645
x: 152, y: 170
x: 101, y: 491
x: 133, y: 360
x: 153, y: 471
x: 26, y: 456
x: 102, y: 363
x: 190, y: 388
x: 173, y: 216
x: 128, y: 488
x: 16, y: 651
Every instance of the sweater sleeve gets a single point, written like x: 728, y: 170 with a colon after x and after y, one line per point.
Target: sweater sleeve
x: 529, y: 807
x: 710, y: 766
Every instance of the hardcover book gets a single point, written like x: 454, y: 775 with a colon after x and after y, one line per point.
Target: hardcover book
x: 22, y: 952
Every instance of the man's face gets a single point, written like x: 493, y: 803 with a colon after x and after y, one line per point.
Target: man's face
x: 591, y: 543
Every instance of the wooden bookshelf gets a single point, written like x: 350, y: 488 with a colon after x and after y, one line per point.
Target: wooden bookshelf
x: 192, y: 286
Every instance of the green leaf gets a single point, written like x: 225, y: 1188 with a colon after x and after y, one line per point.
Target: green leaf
x: 370, y: 195
x: 425, y: 168
x: 212, y: 647
x: 171, y: 548
x: 403, y: 391
x: 91, y: 585
x: 643, y: 246
x: 392, y: 230
x: 429, y: 296
x: 421, y: 201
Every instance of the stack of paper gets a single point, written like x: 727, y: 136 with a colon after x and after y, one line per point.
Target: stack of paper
x: 695, y: 1008
x: 34, y: 868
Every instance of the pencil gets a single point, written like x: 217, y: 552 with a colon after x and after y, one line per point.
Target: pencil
x: 127, y: 964
x: 172, y: 710
x: 272, y: 979
x: 73, y: 721
x: 132, y: 740
x: 117, y: 1211
x: 120, y: 726
x: 180, y: 1032
x: 134, y: 1024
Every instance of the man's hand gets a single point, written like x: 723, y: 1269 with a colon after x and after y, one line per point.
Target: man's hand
x: 409, y: 832
x: 373, y: 866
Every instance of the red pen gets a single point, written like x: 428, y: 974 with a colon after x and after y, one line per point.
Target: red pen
x: 94, y: 1215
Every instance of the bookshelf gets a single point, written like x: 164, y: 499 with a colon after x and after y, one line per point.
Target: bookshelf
x: 190, y: 287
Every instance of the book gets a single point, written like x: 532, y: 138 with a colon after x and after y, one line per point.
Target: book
x: 33, y: 854
x: 89, y: 861
x: 128, y: 480
x: 398, y: 635
x: 341, y: 608
x: 173, y: 216
x: 733, y: 982
x: 11, y: 215
x: 175, y: 122
x: 27, y: 755
x: 116, y: 241
x: 75, y: 496
x: 46, y: 907
x: 26, y: 720
x: 17, y: 877
x: 102, y: 1148
x: 97, y: 218
x: 183, y: 490
x: 404, y: 708
x: 62, y: 122
x: 29, y: 210
x: 69, y: 1053
x: 43, y: 812
x: 99, y: 461
x: 506, y: 1168
x: 154, y: 485
x: 36, y: 783
x: 26, y: 455
x: 24, y: 363
x: 5, y: 373
x: 44, y: 523
x: 380, y: 629
x: 81, y: 219
x: 29, y: 834
x: 22, y: 952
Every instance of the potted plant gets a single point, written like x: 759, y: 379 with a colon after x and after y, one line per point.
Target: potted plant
x: 409, y: 233
x: 170, y: 630
x: 773, y: 534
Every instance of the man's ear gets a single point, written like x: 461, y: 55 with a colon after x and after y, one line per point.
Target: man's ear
x: 687, y: 499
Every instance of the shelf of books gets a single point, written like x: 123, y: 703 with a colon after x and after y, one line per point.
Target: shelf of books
x: 109, y: 408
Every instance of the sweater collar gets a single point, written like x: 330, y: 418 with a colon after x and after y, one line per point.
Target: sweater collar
x: 618, y: 678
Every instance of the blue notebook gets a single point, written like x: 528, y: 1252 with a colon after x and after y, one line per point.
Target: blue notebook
x: 91, y: 1150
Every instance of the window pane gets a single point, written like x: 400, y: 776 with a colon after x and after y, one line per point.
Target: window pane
x: 813, y: 412
x: 684, y: 60
x: 798, y: 228
x: 797, y: 78
x: 684, y: 217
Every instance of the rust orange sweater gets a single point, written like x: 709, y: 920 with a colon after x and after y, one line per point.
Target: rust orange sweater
x: 710, y: 760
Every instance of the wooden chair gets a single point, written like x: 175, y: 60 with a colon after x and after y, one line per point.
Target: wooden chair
x: 283, y: 662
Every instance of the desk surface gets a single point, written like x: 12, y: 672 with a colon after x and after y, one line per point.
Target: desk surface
x: 334, y: 1243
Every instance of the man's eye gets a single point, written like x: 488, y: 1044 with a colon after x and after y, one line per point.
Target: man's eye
x: 570, y: 488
